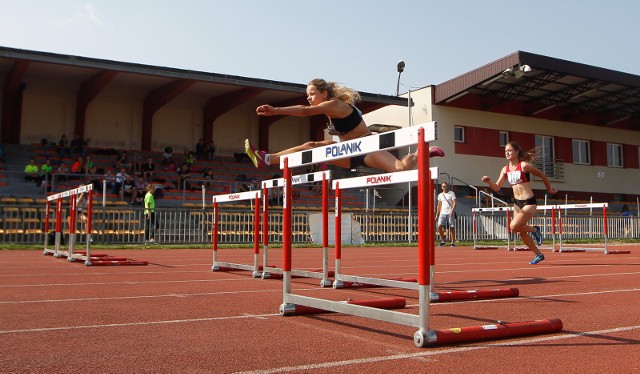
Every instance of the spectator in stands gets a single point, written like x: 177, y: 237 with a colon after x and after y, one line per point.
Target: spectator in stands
x: 32, y: 173
x: 211, y: 150
x: 148, y: 170
x: 242, y: 183
x: 167, y: 158
x: 209, y: 176
x: 189, y: 157
x: 88, y: 165
x: 78, y: 166
x: 136, y: 162
x: 140, y: 190
x: 128, y: 189
x: 149, y: 215
x: 122, y: 161
x: 201, y: 150
x: 78, y: 145
x: 63, y: 171
x: 63, y: 147
x: 119, y: 181
x: 184, y: 173
x: 94, y: 178
x: 47, y: 170
x: 111, y: 180
x: 275, y: 194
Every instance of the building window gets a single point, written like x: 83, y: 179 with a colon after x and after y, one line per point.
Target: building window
x: 581, y: 152
x: 545, y: 155
x: 458, y: 134
x: 614, y: 155
x: 504, y: 138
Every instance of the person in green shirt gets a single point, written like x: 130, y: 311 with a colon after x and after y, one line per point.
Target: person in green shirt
x: 32, y: 173
x: 149, y: 215
x: 47, y: 169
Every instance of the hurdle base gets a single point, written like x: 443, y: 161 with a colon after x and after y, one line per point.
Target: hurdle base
x: 486, y: 332
x: 473, y: 295
x: 383, y: 303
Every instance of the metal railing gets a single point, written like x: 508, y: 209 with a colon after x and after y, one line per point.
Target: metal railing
x: 125, y: 225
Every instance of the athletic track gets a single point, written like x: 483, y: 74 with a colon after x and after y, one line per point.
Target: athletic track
x: 176, y: 316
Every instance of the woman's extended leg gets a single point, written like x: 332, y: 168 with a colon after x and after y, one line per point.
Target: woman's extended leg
x: 519, y: 225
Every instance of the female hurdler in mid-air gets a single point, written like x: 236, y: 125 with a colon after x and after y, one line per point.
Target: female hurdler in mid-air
x: 337, y: 102
x: 517, y: 172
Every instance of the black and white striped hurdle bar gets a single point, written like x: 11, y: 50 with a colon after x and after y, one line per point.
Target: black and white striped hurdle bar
x: 75, y: 191
x: 361, y: 146
x: 297, y: 179
x: 382, y: 179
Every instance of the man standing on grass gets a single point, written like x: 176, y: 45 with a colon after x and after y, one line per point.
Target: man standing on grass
x: 149, y: 215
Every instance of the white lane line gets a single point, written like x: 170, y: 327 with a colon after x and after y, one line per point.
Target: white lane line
x: 423, y: 354
x: 191, y: 320
x: 261, y: 316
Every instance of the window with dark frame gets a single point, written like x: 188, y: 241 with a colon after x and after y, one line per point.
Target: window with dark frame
x: 614, y: 155
x: 458, y: 134
x: 581, y: 152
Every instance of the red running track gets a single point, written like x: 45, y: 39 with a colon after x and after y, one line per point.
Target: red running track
x: 175, y: 315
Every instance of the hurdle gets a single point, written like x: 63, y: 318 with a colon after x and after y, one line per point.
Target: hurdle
x: 342, y: 280
x: 506, y: 231
x: 562, y: 222
x: 89, y: 258
x: 268, y: 272
x: 419, y: 134
x: 225, y: 266
x: 57, y: 250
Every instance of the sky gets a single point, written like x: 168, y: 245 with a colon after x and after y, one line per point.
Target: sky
x: 355, y: 42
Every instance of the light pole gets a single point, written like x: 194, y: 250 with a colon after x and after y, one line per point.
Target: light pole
x: 400, y: 70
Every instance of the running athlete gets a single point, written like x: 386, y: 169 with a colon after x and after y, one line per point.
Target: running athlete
x: 518, y: 172
x: 337, y: 102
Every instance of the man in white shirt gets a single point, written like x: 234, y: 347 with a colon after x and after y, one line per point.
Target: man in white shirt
x: 446, y: 214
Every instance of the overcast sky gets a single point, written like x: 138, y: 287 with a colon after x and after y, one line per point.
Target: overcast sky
x: 356, y: 42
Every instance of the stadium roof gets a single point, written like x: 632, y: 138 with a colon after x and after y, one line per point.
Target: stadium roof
x: 530, y: 85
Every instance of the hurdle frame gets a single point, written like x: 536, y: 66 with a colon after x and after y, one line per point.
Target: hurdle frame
x: 407, y: 176
x: 511, y: 237
x: 323, y: 176
x: 233, y: 197
x: 73, y: 209
x: 605, y: 229
x: 424, y: 336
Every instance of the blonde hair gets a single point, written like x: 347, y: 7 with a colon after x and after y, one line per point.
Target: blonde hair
x: 526, y: 156
x: 337, y: 90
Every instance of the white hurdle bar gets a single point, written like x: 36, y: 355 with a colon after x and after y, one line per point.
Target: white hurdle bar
x: 320, y: 176
x: 73, y: 210
x: 233, y: 197
x: 361, y: 146
x: 338, y: 185
x: 424, y: 336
